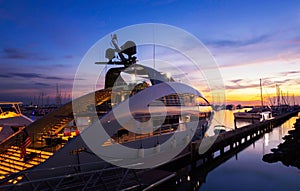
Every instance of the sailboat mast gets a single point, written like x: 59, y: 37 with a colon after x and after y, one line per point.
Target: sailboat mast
x: 294, y: 99
x: 278, y: 95
x: 261, y: 97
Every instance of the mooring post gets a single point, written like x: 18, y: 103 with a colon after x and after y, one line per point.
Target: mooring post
x: 222, y: 151
x: 235, y: 127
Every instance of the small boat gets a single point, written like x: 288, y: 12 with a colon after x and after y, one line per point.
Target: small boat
x: 11, y: 118
x: 257, y: 113
x: 219, y: 129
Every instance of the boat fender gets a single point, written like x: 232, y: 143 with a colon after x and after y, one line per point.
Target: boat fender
x: 141, y: 152
x: 157, y: 148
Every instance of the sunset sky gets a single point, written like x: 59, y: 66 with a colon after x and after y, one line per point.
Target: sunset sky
x: 43, y: 42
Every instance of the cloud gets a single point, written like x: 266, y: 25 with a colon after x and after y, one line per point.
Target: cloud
x: 268, y: 82
x: 41, y: 84
x: 26, y: 75
x: 55, y: 78
x: 240, y: 84
x: 271, y: 81
x: 239, y: 43
x: 237, y: 87
x: 236, y: 81
x: 14, y: 53
x: 4, y: 76
x: 282, y: 81
x: 33, y: 75
x: 290, y: 72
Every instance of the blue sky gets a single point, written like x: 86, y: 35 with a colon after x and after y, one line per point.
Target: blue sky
x: 43, y: 42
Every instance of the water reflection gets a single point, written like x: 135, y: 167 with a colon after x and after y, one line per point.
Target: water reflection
x: 243, y: 170
x: 226, y: 118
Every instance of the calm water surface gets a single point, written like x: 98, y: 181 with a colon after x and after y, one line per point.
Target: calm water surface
x: 247, y: 171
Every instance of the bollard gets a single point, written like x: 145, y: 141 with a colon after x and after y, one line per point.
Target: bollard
x: 222, y: 151
x: 193, y: 146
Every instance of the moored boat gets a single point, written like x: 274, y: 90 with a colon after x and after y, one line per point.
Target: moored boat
x: 257, y: 113
x: 11, y: 118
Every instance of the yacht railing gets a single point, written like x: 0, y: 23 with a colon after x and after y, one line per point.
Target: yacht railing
x: 11, y: 140
x: 94, y: 177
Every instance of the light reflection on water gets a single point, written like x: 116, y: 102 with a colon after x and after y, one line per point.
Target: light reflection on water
x: 247, y: 171
x: 226, y: 118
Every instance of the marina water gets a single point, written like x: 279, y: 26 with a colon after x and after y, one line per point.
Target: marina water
x: 246, y: 170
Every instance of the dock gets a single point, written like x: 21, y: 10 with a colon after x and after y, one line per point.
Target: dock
x: 231, y: 139
x: 225, y: 146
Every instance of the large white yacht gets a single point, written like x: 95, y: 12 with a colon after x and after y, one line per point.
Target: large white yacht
x: 129, y: 124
